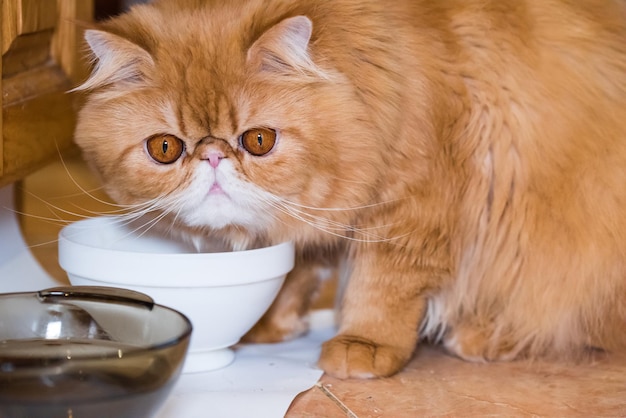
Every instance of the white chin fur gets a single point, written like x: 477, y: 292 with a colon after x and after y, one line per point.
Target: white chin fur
x: 241, y: 203
x: 220, y: 211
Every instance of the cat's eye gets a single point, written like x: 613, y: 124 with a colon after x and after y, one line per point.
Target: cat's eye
x: 165, y: 149
x: 258, y: 141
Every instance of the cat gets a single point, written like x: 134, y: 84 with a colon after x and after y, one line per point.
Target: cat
x: 461, y: 163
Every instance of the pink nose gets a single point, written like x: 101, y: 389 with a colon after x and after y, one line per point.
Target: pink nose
x: 214, y: 158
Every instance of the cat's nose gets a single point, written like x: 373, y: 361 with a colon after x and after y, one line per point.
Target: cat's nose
x: 214, y: 157
x: 213, y: 150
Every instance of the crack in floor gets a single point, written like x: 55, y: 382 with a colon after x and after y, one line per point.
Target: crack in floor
x: 336, y: 400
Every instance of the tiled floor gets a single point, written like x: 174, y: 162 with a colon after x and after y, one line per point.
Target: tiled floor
x: 433, y: 384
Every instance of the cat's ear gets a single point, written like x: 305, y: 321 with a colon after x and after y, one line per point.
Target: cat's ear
x: 284, y: 49
x: 117, y: 60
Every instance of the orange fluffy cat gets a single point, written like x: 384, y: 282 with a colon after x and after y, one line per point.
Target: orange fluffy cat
x: 463, y: 162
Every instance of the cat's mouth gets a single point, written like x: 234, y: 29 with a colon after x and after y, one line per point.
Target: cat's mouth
x: 216, y: 189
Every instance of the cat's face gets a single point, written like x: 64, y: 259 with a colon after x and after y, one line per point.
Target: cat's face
x: 223, y: 129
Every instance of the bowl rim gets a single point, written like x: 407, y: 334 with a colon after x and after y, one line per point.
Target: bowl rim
x: 179, y: 336
x: 102, y: 264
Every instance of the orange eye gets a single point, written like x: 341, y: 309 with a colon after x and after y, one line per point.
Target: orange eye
x: 165, y: 149
x: 258, y: 141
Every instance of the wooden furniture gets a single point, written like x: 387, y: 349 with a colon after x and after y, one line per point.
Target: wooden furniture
x: 41, y: 60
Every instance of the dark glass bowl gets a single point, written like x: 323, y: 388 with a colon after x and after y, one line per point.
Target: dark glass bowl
x: 75, y: 352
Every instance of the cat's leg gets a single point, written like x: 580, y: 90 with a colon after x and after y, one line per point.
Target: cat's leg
x: 287, y: 317
x: 384, y: 303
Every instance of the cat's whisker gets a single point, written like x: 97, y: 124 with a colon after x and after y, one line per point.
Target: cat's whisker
x: 82, y: 189
x: 162, y: 206
x: 331, y: 227
x: 174, y: 220
x: 81, y: 193
x: 53, y: 221
x: 316, y: 220
x: 88, y: 193
x: 129, y: 218
x: 306, y: 221
x: 152, y: 223
x: 60, y: 214
x: 149, y: 205
x: 367, y: 233
x: 140, y: 230
x: 319, y: 220
x: 88, y: 213
x: 56, y: 219
x: 335, y: 209
x: 138, y: 210
x: 44, y: 244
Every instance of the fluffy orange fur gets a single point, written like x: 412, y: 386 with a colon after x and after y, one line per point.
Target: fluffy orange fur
x: 462, y: 161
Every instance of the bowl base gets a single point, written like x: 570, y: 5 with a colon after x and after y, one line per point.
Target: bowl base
x: 205, y: 361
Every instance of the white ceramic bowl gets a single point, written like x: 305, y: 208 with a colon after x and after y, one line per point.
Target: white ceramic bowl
x: 223, y: 293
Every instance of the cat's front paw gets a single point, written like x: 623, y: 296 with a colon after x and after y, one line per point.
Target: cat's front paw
x: 347, y: 356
